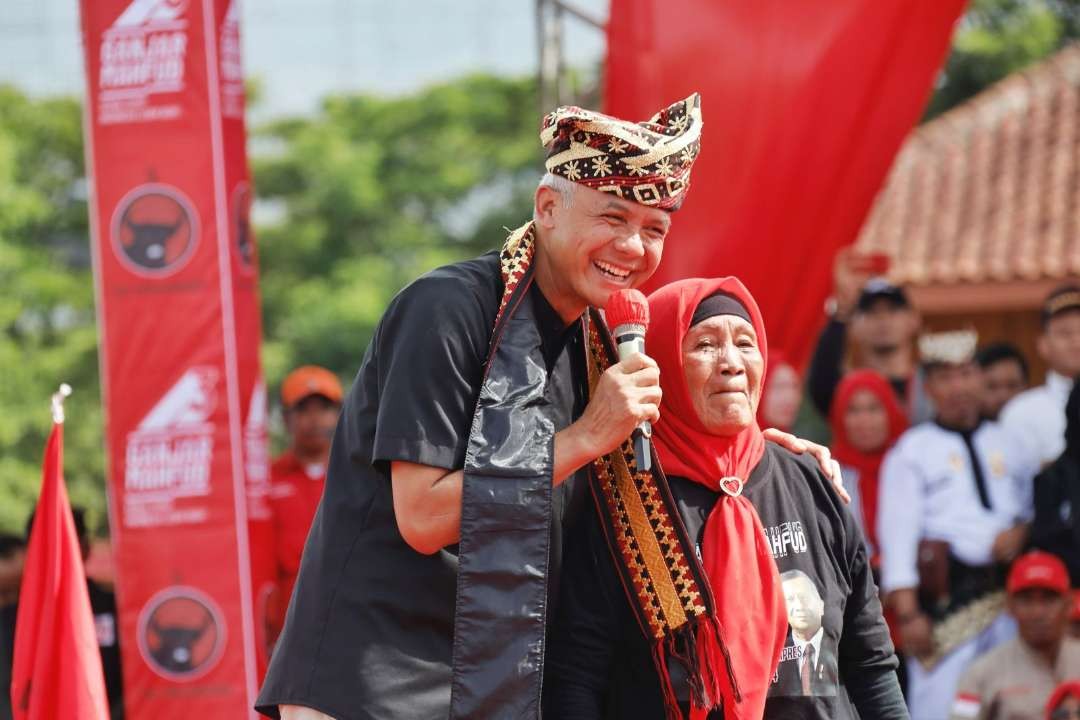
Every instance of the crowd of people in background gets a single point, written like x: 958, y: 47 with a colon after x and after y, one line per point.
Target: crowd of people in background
x: 966, y: 481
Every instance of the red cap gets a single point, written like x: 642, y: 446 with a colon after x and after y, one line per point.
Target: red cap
x: 1075, y: 614
x: 1038, y: 569
x: 627, y: 307
x: 309, y: 380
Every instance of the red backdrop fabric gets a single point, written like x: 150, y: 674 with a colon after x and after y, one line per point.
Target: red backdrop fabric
x: 804, y: 104
x: 56, y: 671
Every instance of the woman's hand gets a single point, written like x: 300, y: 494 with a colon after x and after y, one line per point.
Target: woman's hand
x: 830, y: 467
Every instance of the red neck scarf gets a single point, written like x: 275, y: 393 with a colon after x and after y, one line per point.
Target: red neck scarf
x: 742, y: 574
x: 867, y: 464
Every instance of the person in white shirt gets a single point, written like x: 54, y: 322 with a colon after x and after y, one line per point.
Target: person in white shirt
x: 953, y: 508
x: 1037, y: 416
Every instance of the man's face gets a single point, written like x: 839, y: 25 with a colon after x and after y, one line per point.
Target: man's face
x: 311, y: 424
x: 1001, y: 382
x: 804, y: 606
x: 956, y: 391
x: 1059, y: 344
x: 11, y: 570
x: 596, y: 246
x: 884, y: 326
x: 1042, y: 616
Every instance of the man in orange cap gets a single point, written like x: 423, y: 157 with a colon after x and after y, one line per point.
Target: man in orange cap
x: 311, y: 398
x: 1015, y: 679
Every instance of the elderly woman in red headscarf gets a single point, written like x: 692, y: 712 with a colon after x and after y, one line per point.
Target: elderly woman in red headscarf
x: 866, y: 419
x: 795, y: 627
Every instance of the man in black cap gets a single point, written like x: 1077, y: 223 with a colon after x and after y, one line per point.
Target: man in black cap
x: 1037, y: 416
x: 879, y: 317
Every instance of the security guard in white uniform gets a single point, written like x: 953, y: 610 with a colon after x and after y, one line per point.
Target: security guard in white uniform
x: 953, y: 509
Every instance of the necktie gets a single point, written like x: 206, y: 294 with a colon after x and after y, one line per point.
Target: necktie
x: 807, y: 668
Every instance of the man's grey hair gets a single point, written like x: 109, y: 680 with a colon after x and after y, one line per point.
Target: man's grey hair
x: 561, y: 185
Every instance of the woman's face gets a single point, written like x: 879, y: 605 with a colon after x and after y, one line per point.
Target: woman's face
x: 782, y: 397
x: 866, y: 422
x: 723, y: 367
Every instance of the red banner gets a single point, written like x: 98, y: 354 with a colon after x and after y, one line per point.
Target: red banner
x: 805, y: 105
x: 177, y: 298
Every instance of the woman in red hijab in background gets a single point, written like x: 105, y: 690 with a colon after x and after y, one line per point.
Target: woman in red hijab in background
x: 781, y: 395
x: 801, y: 633
x: 866, y: 419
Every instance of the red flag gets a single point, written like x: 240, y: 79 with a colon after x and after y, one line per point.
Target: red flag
x: 57, y: 669
x: 805, y: 105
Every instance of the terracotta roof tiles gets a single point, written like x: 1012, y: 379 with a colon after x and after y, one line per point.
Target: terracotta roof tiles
x: 989, y: 191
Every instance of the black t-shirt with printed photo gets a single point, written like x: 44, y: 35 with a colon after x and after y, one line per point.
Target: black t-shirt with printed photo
x: 369, y: 628
x: 838, y: 662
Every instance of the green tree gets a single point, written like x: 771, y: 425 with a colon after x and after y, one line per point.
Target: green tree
x: 371, y: 192
x: 47, y: 317
x: 998, y: 37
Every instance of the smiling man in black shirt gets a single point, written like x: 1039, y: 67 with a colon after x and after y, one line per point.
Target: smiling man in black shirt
x: 456, y: 467
x: 425, y: 580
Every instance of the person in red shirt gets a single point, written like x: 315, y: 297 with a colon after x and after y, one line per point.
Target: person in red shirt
x: 311, y: 398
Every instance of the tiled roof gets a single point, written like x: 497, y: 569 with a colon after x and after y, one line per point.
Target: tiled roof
x: 990, y: 191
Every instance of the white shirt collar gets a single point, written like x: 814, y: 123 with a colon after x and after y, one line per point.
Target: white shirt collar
x: 814, y: 641
x: 1058, y: 385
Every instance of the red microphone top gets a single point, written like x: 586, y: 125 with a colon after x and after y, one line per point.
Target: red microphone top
x: 627, y: 307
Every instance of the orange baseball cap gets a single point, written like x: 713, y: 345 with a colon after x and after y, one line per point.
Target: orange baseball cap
x: 309, y: 380
x: 1038, y: 569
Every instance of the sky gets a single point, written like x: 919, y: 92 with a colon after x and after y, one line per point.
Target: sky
x: 302, y: 50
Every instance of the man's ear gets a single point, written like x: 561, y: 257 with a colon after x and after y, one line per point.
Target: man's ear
x: 546, y: 204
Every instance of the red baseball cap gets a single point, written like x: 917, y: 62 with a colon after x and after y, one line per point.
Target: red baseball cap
x: 1075, y: 615
x: 309, y: 380
x: 1038, y: 569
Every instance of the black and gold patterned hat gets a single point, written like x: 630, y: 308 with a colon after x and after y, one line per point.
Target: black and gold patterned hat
x: 646, y: 162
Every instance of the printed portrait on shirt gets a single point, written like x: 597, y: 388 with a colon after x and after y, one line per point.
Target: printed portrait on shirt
x: 808, y: 661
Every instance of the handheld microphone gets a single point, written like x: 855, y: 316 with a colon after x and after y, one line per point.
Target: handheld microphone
x: 627, y: 314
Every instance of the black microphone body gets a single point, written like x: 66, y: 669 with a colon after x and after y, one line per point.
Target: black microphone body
x: 630, y: 339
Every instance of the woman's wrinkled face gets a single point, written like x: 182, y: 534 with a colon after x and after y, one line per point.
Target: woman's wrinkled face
x: 724, y: 368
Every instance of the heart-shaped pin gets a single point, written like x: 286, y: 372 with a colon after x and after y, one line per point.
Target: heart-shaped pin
x: 731, y: 485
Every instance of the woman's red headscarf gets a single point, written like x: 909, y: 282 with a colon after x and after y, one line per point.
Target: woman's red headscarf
x: 742, y: 574
x: 867, y: 464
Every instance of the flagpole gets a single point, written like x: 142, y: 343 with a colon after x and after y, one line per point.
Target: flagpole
x: 58, y: 398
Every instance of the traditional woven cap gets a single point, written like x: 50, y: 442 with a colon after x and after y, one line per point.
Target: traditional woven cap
x: 308, y: 380
x: 954, y: 347
x: 647, y: 162
x: 1062, y: 299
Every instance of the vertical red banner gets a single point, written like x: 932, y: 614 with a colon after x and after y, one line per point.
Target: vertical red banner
x: 177, y: 297
x: 805, y: 105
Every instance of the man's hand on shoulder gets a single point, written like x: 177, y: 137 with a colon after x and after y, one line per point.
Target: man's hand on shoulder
x: 830, y: 467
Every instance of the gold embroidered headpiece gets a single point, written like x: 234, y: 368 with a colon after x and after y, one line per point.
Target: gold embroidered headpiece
x: 647, y: 162
x: 954, y: 347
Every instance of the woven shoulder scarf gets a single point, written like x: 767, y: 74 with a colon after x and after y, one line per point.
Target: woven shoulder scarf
x: 506, y: 527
